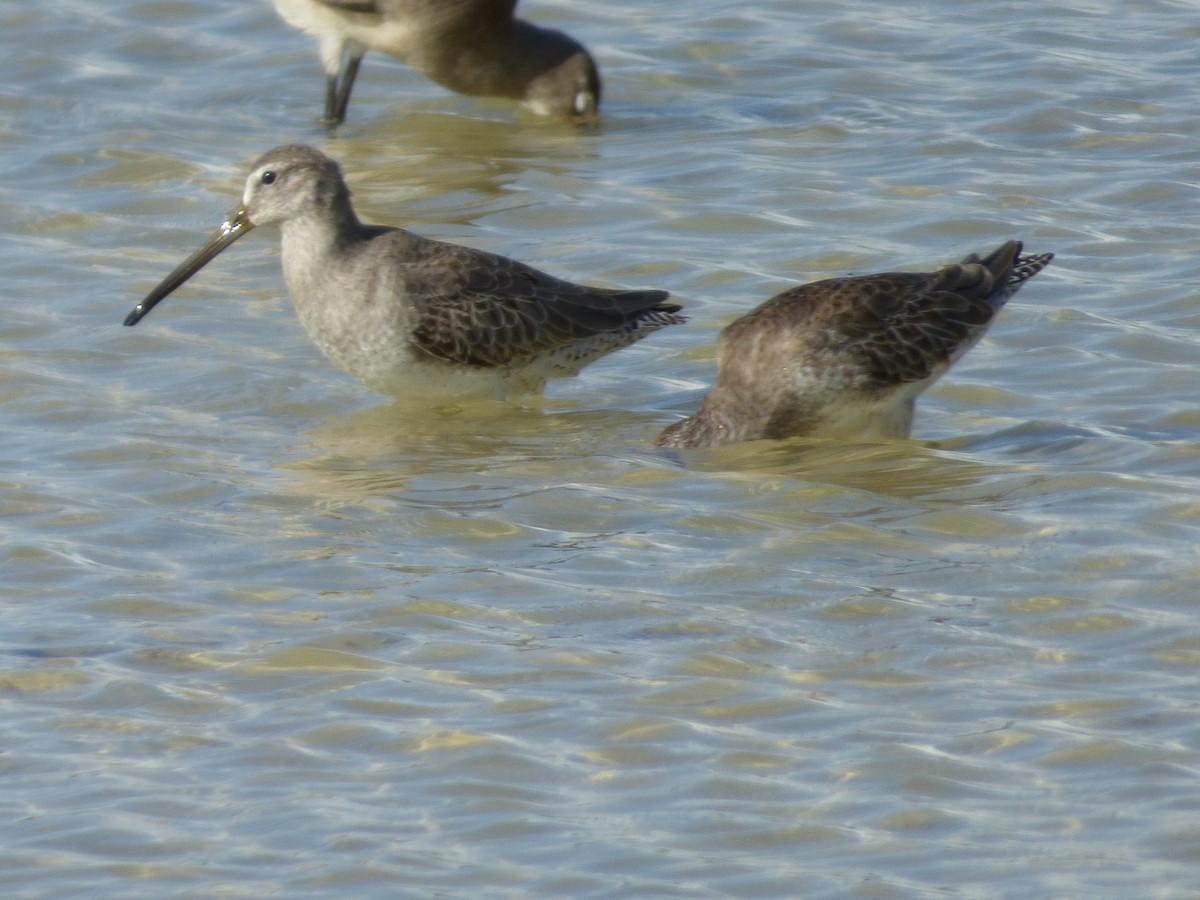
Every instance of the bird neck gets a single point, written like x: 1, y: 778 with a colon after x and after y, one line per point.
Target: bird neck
x: 327, y: 226
x: 708, y: 427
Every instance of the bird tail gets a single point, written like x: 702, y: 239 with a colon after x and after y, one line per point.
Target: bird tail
x: 1008, y: 266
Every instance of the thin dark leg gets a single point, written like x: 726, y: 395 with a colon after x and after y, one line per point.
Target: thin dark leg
x: 331, y: 85
x: 349, y: 73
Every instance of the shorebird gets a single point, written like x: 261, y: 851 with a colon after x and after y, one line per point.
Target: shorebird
x: 473, y: 47
x: 407, y: 315
x: 848, y: 357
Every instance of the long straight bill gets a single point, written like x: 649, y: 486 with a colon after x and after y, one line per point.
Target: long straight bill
x: 232, y: 229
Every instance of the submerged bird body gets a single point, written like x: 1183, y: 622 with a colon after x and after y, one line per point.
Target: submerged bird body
x: 847, y: 357
x: 404, y: 314
x: 474, y: 47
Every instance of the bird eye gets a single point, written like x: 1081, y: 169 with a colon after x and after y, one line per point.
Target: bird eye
x: 268, y: 177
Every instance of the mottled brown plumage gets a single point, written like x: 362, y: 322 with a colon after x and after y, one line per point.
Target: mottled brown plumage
x: 405, y: 314
x: 473, y: 47
x: 847, y: 357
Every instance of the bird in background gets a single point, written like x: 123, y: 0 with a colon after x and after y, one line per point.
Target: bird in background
x: 474, y: 47
x: 848, y: 357
x: 414, y: 317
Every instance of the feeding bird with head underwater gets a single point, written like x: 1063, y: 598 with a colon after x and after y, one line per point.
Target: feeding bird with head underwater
x: 848, y: 357
x: 401, y: 312
x: 474, y: 47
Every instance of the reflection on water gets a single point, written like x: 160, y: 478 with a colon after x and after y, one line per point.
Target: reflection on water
x: 265, y: 632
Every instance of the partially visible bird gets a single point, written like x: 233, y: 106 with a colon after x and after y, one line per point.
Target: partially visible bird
x: 848, y: 357
x: 412, y: 317
x: 473, y: 47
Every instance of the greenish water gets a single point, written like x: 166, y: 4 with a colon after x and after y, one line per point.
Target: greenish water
x: 266, y: 634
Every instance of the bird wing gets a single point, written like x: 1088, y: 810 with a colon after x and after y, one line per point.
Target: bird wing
x: 354, y: 6
x: 898, y: 327
x: 432, y: 15
x: 477, y: 308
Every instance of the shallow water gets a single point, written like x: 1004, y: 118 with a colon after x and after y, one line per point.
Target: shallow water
x: 267, y: 634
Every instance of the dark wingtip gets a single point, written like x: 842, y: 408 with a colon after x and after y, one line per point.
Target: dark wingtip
x: 667, y: 306
x: 135, y: 315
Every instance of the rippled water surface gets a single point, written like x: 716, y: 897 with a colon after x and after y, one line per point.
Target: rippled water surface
x: 267, y: 634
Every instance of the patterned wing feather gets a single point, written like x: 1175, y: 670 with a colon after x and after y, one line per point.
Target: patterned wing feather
x: 480, y: 309
x: 888, y: 329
